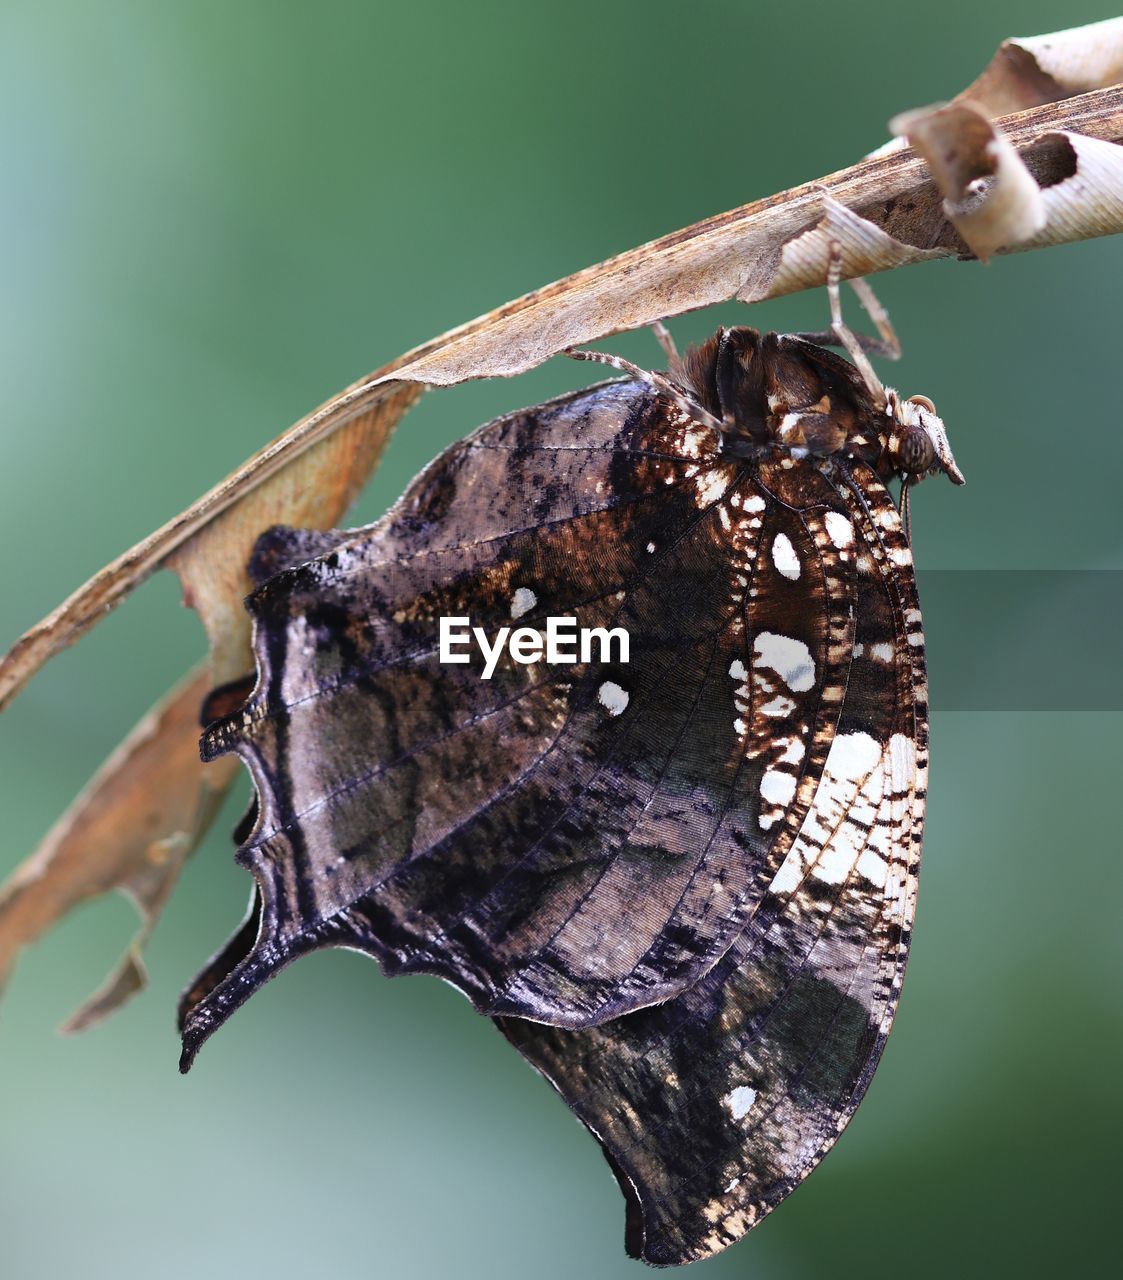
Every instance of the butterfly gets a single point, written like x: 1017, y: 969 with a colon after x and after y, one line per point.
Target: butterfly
x: 682, y: 883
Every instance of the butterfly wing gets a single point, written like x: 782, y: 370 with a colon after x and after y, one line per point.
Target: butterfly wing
x: 713, y: 1106
x: 566, y: 843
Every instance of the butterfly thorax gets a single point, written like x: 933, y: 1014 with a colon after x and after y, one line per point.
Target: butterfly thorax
x: 781, y: 391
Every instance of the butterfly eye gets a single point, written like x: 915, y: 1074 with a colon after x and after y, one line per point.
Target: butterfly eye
x: 915, y: 453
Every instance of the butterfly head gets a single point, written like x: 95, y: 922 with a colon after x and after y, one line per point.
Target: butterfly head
x: 915, y: 442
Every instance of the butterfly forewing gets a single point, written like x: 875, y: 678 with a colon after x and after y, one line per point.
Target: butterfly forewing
x: 567, y: 842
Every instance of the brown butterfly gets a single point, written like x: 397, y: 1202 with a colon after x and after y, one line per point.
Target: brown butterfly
x: 683, y: 883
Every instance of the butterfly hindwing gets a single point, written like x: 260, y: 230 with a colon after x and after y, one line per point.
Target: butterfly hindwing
x: 713, y: 1106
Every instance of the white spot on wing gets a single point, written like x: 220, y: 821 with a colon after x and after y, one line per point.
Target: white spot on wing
x: 739, y: 1101
x: 836, y: 859
x: 902, y: 762
x: 793, y: 752
x: 784, y: 556
x: 853, y: 756
x: 789, y: 875
x: 839, y: 529
x: 612, y: 697
x: 777, y: 787
x: 873, y: 867
x: 522, y: 602
x: 711, y: 486
x: 790, y: 659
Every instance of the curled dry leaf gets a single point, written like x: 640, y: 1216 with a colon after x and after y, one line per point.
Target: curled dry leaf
x: 989, y: 193
x: 1063, y: 187
x: 883, y: 212
x: 1030, y: 70
x: 1089, y: 201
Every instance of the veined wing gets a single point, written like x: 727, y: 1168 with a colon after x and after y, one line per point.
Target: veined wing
x: 565, y: 843
x: 712, y: 1107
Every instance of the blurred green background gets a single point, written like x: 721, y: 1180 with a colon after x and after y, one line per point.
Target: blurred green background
x: 213, y: 216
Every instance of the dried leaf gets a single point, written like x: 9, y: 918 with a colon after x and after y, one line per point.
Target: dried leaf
x: 129, y: 830
x: 740, y: 254
x: 1066, y: 186
x: 1087, y: 203
x: 864, y: 247
x: 310, y: 490
x: 989, y: 194
x: 152, y: 801
x: 884, y: 212
x: 1031, y: 70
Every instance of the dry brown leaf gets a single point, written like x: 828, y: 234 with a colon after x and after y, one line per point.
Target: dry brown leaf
x: 1089, y: 202
x: 1065, y: 187
x: 130, y: 829
x: 884, y: 212
x: 312, y: 490
x: 1030, y: 70
x: 152, y: 801
x: 989, y: 194
x: 892, y: 216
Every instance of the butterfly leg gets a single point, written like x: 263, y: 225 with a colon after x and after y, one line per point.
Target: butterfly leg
x: 871, y: 346
x: 857, y: 345
x: 887, y: 344
x: 658, y: 381
x: 843, y: 336
x: 664, y: 339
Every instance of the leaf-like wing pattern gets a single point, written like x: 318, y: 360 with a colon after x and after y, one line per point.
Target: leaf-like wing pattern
x: 566, y: 843
x: 713, y: 1106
